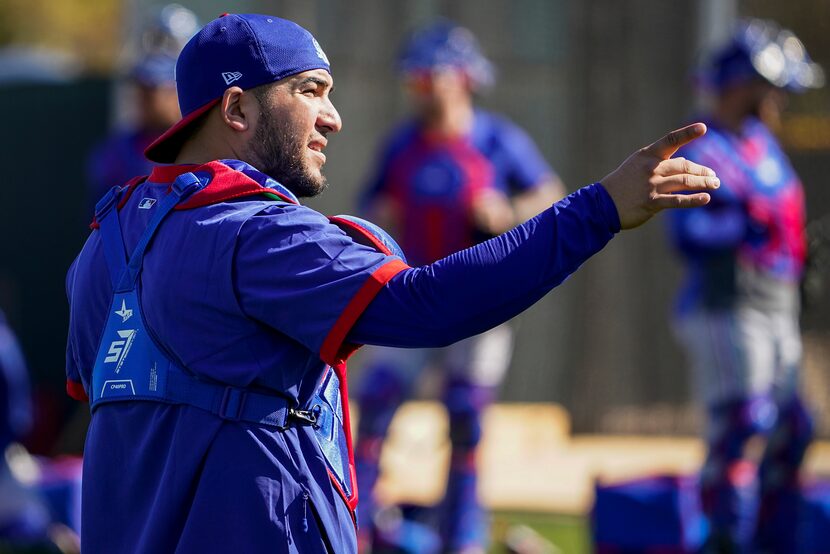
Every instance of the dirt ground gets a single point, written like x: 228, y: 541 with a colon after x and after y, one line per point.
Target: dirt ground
x: 529, y: 460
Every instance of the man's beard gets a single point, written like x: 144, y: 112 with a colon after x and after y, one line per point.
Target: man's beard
x: 278, y: 152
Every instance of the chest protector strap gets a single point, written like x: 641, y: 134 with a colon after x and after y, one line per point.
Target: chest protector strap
x: 130, y: 364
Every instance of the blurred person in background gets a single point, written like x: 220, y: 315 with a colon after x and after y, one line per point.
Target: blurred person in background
x: 152, y: 101
x: 120, y: 156
x: 737, y: 314
x: 36, y: 502
x: 24, y: 518
x: 15, y: 395
x: 450, y: 177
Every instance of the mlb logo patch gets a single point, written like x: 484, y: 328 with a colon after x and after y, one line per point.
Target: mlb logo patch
x: 146, y: 203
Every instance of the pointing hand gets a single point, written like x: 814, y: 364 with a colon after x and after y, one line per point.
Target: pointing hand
x: 649, y: 180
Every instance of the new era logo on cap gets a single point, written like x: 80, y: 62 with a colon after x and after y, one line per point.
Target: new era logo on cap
x: 231, y: 76
x: 319, y: 50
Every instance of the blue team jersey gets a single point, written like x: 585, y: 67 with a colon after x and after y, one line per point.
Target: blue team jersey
x: 754, y: 222
x: 240, y: 290
x: 433, y: 181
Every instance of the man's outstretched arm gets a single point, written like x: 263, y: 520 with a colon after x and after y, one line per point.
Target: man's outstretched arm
x: 480, y: 287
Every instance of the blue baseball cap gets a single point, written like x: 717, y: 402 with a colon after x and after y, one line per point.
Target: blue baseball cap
x: 445, y: 44
x: 234, y: 50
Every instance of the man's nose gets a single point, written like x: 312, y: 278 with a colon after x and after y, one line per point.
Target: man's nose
x: 329, y: 119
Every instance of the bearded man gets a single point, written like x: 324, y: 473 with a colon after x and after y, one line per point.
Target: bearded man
x: 212, y: 314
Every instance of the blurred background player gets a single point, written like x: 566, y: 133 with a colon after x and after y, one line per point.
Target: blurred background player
x: 24, y: 518
x: 449, y: 178
x: 738, y: 312
x: 120, y: 156
x: 148, y: 106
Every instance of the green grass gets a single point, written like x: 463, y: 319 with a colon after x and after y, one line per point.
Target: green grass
x: 570, y: 534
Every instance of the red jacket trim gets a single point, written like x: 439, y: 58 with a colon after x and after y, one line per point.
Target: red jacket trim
x: 76, y: 390
x: 225, y: 184
x: 334, y: 351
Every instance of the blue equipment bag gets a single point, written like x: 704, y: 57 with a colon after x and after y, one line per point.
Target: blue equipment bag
x: 815, y: 518
x: 653, y: 514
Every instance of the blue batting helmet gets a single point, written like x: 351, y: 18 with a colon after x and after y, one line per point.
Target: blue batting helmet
x: 155, y: 70
x: 444, y: 44
x: 760, y: 48
x: 169, y: 30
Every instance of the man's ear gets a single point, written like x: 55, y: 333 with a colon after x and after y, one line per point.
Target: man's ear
x: 239, y: 110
